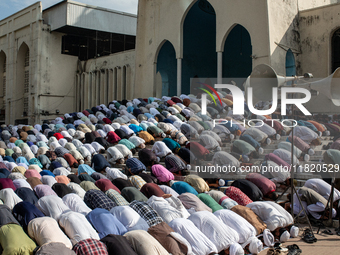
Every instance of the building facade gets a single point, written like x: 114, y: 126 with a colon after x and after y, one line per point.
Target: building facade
x: 182, y: 39
x: 48, y: 57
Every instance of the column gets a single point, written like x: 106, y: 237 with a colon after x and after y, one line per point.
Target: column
x: 219, y: 67
x: 179, y: 77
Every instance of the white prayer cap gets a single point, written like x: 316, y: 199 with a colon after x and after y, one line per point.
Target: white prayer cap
x: 311, y: 152
x: 306, y: 157
x: 255, y: 246
x: 236, y: 249
x: 261, y: 150
x: 284, y: 237
x: 294, y: 231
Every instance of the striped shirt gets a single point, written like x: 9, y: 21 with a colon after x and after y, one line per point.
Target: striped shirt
x: 116, y: 197
x: 174, y: 164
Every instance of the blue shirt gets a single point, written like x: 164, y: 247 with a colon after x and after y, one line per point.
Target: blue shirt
x: 105, y: 223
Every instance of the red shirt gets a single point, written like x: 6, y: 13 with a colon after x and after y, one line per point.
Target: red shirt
x: 238, y: 196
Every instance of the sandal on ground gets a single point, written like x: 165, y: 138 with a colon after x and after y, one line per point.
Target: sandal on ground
x: 308, y: 237
x: 294, y: 250
x: 327, y: 232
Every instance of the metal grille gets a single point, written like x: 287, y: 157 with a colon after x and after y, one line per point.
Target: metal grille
x: 26, y: 105
x: 27, y: 58
x: 27, y: 81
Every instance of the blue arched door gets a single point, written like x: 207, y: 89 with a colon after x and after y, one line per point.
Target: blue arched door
x: 167, y: 67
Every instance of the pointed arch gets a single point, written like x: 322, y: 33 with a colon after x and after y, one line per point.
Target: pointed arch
x: 167, y: 67
x: 335, y: 49
x: 22, y: 82
x: 237, y: 61
x: 290, y: 63
x: 199, y: 44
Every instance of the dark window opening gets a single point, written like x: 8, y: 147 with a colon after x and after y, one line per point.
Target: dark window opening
x: 96, y: 44
x: 336, y: 50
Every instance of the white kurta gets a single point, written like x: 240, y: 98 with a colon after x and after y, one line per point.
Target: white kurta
x: 48, y: 180
x: 77, y: 227
x: 9, y: 197
x: 323, y: 188
x: 200, y: 243
x: 288, y: 147
x: 244, y: 229
x: 164, y: 209
x: 266, y: 128
x: 22, y: 183
x: 52, y: 206
x: 269, y: 214
x: 286, y: 156
x: 76, y: 204
x: 114, y: 173
x: 305, y: 134
x: 214, y: 229
x: 160, y: 149
x: 129, y: 218
x: 255, y: 133
x: 45, y: 230
x: 75, y: 187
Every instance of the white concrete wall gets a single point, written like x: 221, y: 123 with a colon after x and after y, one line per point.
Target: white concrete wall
x: 316, y: 29
x: 309, y: 4
x: 283, y: 32
x: 163, y: 20
x: 101, y: 80
x: 52, y: 75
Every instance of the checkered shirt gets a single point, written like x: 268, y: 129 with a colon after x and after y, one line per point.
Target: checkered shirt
x: 174, y: 164
x: 135, y: 165
x: 137, y: 181
x: 61, y: 151
x: 116, y: 197
x: 90, y: 247
x: 97, y: 199
x: 146, y: 212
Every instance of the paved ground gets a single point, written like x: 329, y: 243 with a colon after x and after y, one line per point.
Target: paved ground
x: 326, y: 244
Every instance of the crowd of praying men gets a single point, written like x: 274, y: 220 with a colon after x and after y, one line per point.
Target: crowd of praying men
x: 118, y: 179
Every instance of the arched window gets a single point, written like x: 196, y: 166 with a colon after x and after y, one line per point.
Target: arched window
x: 336, y: 50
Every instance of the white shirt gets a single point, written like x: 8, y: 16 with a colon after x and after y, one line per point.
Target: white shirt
x: 90, y: 148
x: 129, y: 218
x: 22, y: 183
x: 277, y: 176
x: 168, y: 190
x: 114, y: 173
x: 84, y: 151
x: 266, y: 128
x: 269, y: 214
x: 77, y: 227
x: 52, y: 206
x: 199, y: 242
x: 124, y: 150
x: 223, y: 158
x: 127, y: 130
x: 214, y: 229
x: 113, y: 154
x: 243, y: 228
x: 305, y: 134
x: 255, y: 133
x: 160, y: 149
x: 48, y: 180
x: 286, y: 156
x: 9, y: 197
x: 75, y: 187
x: 164, y: 209
x: 323, y: 188
x: 136, y: 140
x: 107, y: 128
x: 288, y: 147
x: 61, y: 171
x: 212, y: 134
x: 46, y: 230
x: 97, y: 146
